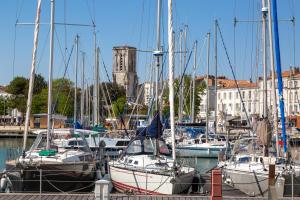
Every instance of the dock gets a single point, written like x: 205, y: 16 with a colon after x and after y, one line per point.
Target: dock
x: 91, y: 196
x: 14, y: 132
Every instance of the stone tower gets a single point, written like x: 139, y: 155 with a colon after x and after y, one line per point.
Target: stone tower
x: 124, y: 69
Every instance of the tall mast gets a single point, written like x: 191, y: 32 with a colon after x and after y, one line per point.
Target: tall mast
x: 207, y: 86
x: 75, y: 88
x: 158, y: 54
x: 95, y: 87
x: 279, y: 75
x: 181, y: 74
x: 82, y: 90
x: 194, y: 74
x: 49, y: 118
x: 264, y: 42
x: 171, y: 74
x: 32, y: 74
x: 216, y: 75
x: 274, y: 97
x: 87, y: 114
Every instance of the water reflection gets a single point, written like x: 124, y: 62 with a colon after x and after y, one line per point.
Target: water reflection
x: 10, y: 148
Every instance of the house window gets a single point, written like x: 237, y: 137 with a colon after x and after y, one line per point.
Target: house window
x: 219, y: 96
x: 229, y: 95
x: 224, y: 95
x: 249, y: 94
x: 295, y: 84
x: 243, y: 94
x: 236, y: 95
x: 237, y: 107
x: 296, y: 96
x: 249, y: 107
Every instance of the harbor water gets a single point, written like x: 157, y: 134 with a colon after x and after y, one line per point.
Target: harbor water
x: 11, y: 148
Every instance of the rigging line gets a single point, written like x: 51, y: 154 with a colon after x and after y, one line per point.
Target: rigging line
x: 14, y: 52
x: 233, y: 74
x: 90, y: 13
x: 294, y: 39
x: 65, y: 30
x: 64, y: 75
x: 105, y: 68
x: 141, y: 24
x: 251, y: 54
x: 18, y: 11
x: 43, y: 50
x: 181, y: 78
x: 60, y: 48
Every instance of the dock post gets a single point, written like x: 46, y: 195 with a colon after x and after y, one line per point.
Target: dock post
x: 216, y: 184
x: 101, y: 190
x: 272, y: 194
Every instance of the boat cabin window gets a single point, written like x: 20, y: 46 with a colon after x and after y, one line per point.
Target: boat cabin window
x: 130, y: 161
x: 75, y: 143
x: 136, y: 162
x: 135, y: 147
x: 147, y: 146
x: 122, y: 143
x: 244, y: 159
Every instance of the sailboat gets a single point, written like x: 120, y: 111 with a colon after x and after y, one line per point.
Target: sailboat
x: 58, y: 160
x: 203, y: 146
x: 249, y: 172
x: 147, y: 166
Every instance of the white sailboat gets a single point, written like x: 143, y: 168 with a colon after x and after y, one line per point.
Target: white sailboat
x: 249, y: 172
x: 147, y: 166
x: 58, y: 160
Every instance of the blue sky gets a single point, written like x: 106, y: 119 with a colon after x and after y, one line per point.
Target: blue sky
x: 133, y: 22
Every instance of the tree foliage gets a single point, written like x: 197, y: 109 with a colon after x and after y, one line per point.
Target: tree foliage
x: 187, y: 96
x: 118, y: 106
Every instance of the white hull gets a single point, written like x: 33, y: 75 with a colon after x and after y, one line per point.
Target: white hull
x: 252, y: 183
x: 130, y: 180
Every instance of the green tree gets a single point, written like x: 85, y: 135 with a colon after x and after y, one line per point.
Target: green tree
x: 63, y: 96
x: 18, y: 86
x: 199, y: 89
x: 39, y: 84
x: 119, y: 105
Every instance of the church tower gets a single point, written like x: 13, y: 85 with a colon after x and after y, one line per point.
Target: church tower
x: 124, y: 69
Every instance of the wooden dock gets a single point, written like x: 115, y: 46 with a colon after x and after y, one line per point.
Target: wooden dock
x: 91, y: 196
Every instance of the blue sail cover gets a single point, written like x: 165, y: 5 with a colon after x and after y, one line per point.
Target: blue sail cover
x: 154, y: 130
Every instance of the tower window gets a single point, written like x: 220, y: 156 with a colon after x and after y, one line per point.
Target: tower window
x: 121, y: 62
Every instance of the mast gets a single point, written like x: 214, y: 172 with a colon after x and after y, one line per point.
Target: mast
x: 158, y: 54
x: 181, y: 74
x: 274, y: 97
x: 95, y: 87
x: 49, y: 118
x: 207, y: 86
x: 75, y: 88
x: 194, y: 73
x: 82, y: 90
x: 216, y: 75
x: 279, y: 76
x: 171, y: 74
x: 87, y: 104
x: 32, y: 74
x: 264, y: 42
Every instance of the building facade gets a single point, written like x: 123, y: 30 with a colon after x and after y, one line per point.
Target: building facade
x: 229, y: 99
x: 124, y: 69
